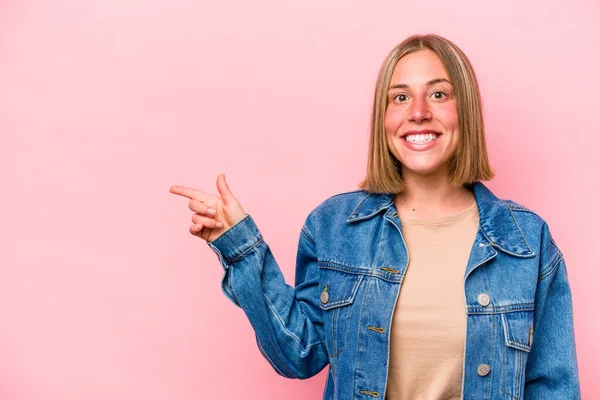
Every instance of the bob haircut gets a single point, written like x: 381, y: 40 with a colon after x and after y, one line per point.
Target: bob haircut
x: 470, y: 163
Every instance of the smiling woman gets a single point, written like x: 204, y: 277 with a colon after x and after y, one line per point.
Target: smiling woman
x: 421, y: 283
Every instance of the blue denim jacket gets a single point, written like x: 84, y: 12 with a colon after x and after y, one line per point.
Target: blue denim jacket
x: 350, y: 263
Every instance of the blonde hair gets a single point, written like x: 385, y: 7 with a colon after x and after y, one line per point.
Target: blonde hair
x: 470, y: 163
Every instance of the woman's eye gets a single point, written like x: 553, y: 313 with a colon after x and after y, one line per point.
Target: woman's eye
x: 439, y: 95
x: 400, y: 97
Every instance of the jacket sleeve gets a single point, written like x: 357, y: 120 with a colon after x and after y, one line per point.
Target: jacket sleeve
x: 552, y: 371
x: 287, y: 321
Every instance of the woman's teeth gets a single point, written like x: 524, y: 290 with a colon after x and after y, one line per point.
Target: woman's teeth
x: 421, y: 138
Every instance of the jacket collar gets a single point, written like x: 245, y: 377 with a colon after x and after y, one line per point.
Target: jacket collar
x: 496, y: 219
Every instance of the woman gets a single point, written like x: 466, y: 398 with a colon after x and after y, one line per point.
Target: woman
x: 422, y: 283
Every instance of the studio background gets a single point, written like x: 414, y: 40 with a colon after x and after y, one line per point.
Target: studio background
x: 104, y: 294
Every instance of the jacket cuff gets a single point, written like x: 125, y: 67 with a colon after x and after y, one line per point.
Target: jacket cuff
x: 238, y: 239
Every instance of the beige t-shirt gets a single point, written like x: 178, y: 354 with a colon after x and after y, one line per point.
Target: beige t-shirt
x: 429, y: 321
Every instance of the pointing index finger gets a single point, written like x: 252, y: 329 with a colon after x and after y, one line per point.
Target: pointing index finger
x: 189, y: 192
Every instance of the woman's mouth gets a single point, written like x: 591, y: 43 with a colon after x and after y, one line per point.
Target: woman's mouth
x: 421, y: 141
x: 421, y: 138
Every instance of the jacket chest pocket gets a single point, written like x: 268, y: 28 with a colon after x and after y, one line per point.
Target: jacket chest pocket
x: 337, y: 293
x: 518, y: 337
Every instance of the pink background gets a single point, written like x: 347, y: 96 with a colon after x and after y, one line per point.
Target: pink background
x: 104, y: 294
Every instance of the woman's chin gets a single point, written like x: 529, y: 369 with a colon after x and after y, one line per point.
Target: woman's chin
x: 431, y: 168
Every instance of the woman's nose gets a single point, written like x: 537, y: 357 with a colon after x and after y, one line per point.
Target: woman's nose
x: 419, y: 110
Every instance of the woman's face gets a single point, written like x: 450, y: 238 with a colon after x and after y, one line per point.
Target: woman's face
x: 421, y: 120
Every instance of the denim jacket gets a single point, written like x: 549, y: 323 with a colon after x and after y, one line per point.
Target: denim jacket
x: 351, y: 260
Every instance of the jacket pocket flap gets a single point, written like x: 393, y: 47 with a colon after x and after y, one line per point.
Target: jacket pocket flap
x: 518, y: 329
x: 338, y: 288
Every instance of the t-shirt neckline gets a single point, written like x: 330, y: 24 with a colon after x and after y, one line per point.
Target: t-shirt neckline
x: 443, y: 219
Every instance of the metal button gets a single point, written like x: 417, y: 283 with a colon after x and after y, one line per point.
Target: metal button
x: 324, y: 295
x: 483, y: 369
x: 483, y: 299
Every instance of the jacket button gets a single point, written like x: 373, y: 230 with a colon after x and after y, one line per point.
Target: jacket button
x: 324, y: 296
x: 483, y: 299
x: 483, y: 369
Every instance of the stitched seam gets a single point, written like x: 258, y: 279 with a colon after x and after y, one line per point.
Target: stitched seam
x: 502, y: 382
x: 502, y: 375
x: 346, y: 320
x: 273, y: 344
x: 290, y: 333
x: 264, y: 353
x: 512, y: 342
x: 343, y: 302
x: 334, y: 319
x: 341, y: 267
x: 521, y: 209
x: 493, y: 355
x: 519, y: 344
x: 486, y: 277
x: 484, y: 235
x: 336, y: 304
x: 360, y: 316
x: 506, y: 331
x: 518, y: 227
x: 307, y: 235
x: 383, y: 277
x: 334, y: 378
x: 230, y: 281
x: 380, y: 234
x: 553, y: 242
x: 496, y: 245
x: 388, y: 277
x: 500, y: 309
x: 508, y: 394
x: 221, y: 234
x: 519, y: 366
x: 358, y: 205
x: 260, y: 240
x: 517, y: 374
x: 504, y: 250
x: 521, y: 232
x: 367, y: 216
x: 555, y: 263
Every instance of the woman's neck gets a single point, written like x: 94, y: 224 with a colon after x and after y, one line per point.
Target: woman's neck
x: 431, y: 196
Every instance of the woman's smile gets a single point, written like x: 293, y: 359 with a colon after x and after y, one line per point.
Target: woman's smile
x: 421, y: 140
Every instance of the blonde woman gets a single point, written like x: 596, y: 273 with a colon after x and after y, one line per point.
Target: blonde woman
x: 420, y: 284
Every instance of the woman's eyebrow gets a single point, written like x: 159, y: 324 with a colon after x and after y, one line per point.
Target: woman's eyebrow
x: 428, y: 83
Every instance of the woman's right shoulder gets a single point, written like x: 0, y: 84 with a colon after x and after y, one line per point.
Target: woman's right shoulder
x: 340, y: 200
x: 336, y: 208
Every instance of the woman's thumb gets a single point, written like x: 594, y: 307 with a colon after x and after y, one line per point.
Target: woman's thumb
x: 224, y: 190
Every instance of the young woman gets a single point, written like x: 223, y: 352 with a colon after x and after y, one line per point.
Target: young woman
x: 422, y: 284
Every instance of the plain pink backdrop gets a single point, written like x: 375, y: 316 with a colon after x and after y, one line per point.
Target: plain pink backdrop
x: 104, y: 294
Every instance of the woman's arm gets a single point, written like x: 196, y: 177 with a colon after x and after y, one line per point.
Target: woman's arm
x: 552, y: 363
x: 287, y: 321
